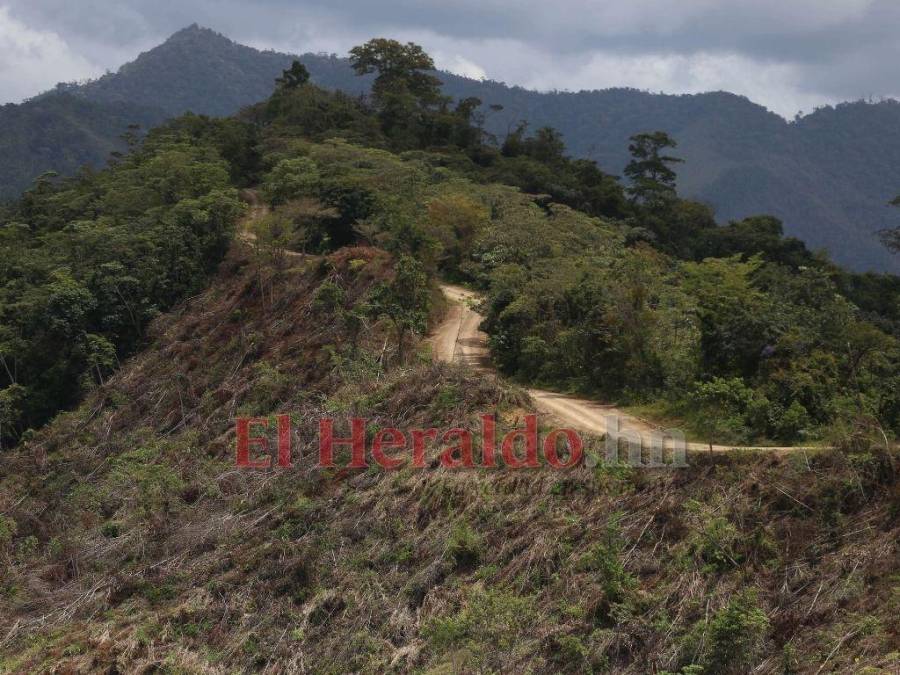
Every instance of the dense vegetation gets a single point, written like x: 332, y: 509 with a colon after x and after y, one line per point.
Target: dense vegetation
x: 827, y: 176
x: 86, y: 263
x: 130, y: 543
x: 63, y: 133
x: 737, y: 329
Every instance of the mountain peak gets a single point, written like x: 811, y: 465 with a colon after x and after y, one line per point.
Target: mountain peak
x: 196, y: 69
x: 196, y: 32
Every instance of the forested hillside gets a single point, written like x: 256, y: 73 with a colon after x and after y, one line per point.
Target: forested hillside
x: 200, y: 71
x: 88, y: 262
x: 63, y: 133
x: 828, y: 176
x: 740, y: 354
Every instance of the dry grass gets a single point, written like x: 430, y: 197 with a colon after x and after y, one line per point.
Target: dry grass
x: 139, y: 547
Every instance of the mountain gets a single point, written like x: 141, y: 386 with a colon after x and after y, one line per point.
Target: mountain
x: 196, y: 69
x: 151, y: 321
x: 62, y: 133
x: 828, y: 175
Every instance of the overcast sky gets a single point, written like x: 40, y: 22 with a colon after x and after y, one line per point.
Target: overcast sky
x: 788, y: 55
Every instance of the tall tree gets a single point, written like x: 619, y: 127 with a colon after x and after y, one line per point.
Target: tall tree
x: 405, y: 300
x: 293, y: 77
x: 652, y: 178
x: 403, y: 69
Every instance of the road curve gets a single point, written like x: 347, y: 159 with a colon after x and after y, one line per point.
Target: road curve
x: 459, y: 339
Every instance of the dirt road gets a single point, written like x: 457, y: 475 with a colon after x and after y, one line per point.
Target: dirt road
x: 459, y: 339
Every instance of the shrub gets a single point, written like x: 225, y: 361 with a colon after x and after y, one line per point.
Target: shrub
x: 792, y: 423
x: 7, y: 531
x: 614, y: 578
x: 715, y: 545
x: 571, y: 652
x: 144, y: 474
x: 463, y: 546
x: 291, y: 178
x: 328, y: 297
x: 489, y: 626
x: 737, y: 633
x: 111, y: 529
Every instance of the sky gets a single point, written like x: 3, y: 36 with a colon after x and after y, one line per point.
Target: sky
x: 788, y: 55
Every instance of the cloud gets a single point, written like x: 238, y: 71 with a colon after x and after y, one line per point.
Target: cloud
x: 459, y: 65
x: 32, y: 60
x: 785, y: 54
x: 771, y: 84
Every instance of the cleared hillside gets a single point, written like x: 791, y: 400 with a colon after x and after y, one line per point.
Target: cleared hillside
x: 131, y: 542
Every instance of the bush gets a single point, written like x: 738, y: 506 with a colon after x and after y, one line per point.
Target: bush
x: 463, y: 546
x: 489, y: 626
x: 7, y: 532
x: 328, y: 297
x: 715, y: 545
x: 296, y: 177
x: 737, y: 635
x: 614, y: 578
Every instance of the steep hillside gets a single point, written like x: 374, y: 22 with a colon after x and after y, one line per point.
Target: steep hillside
x: 828, y: 176
x: 62, y: 133
x: 130, y: 542
x: 194, y: 70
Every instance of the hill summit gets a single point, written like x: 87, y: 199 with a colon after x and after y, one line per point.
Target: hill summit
x: 196, y: 69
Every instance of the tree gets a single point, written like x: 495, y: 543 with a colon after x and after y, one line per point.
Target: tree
x: 313, y: 223
x: 12, y: 402
x: 404, y: 300
x: 455, y: 220
x: 85, y: 263
x: 652, y: 179
x: 271, y: 238
x: 547, y: 146
x: 402, y: 69
x: 404, y: 90
x: 891, y: 236
x: 293, y: 77
x: 99, y: 356
x: 291, y: 178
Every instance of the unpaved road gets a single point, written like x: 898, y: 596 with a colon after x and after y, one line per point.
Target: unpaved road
x: 458, y: 339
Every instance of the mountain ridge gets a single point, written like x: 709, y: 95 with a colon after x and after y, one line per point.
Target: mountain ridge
x: 827, y: 175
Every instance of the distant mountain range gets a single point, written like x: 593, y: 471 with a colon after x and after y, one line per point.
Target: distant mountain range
x: 828, y: 175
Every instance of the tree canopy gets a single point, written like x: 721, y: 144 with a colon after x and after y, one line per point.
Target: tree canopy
x: 402, y: 70
x: 294, y: 76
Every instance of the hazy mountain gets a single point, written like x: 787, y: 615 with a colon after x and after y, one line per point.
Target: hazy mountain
x: 194, y: 70
x: 828, y: 175
x: 62, y: 133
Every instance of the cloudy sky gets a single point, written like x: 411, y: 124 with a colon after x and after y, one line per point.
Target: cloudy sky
x: 788, y: 55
